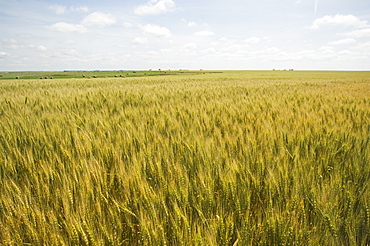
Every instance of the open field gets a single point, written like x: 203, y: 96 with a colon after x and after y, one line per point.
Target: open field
x: 231, y: 158
x: 90, y: 74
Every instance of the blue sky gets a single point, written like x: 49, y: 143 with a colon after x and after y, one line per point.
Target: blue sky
x: 184, y: 34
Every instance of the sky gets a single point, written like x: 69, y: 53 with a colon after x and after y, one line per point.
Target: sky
x: 55, y: 35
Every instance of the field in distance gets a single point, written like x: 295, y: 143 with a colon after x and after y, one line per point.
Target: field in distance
x: 93, y: 74
x: 226, y: 158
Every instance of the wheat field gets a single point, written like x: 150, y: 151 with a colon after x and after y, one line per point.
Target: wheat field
x: 231, y: 158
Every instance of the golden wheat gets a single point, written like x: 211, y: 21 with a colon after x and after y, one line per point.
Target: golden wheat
x: 233, y: 158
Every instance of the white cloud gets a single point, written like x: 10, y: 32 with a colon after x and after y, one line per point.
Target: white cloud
x: 69, y: 41
x: 25, y: 36
x: 152, y: 53
x: 41, y: 48
x: 156, y: 30
x: 79, y: 9
x: 343, y: 41
x: 60, y: 9
x: 209, y: 51
x: 190, y: 46
x: 68, y: 27
x: 204, y: 25
x: 338, y: 19
x: 139, y: 40
x: 224, y: 41
x: 192, y: 23
x: 267, y: 52
x: 327, y: 49
x: 345, y: 53
x: 127, y: 24
x: 252, y: 40
x: 69, y: 55
x: 364, y: 47
x: 3, y: 54
x: 235, y: 48
x: 98, y: 19
x: 13, y: 44
x: 358, y: 33
x: 155, y: 7
x: 204, y: 33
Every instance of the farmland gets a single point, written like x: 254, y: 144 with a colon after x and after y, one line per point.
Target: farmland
x: 227, y: 158
x: 90, y: 74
